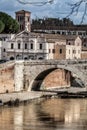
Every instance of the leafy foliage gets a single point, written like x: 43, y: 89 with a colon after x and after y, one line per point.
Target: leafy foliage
x: 10, y: 25
x: 2, y: 26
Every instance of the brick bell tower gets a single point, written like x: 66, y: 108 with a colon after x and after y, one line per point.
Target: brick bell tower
x: 23, y: 18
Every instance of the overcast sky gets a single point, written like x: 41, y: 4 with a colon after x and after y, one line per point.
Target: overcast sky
x: 59, y: 9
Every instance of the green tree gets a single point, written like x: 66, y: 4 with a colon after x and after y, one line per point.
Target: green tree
x: 2, y: 26
x: 11, y: 25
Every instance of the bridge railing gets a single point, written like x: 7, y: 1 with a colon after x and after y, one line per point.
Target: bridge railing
x: 49, y: 62
x: 61, y: 62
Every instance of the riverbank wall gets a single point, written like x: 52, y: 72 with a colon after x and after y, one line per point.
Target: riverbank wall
x: 21, y: 96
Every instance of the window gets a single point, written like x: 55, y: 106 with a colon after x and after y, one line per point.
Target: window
x: 28, y: 19
x: 25, y: 45
x: 4, y: 50
x: 12, y: 46
x: 53, y: 50
x: 49, y: 50
x: 31, y: 47
x: 69, y: 51
x: 74, y: 51
x: 63, y: 33
x: 21, y: 27
x: 60, y: 51
x: 19, y: 45
x: 84, y: 45
x: 40, y: 47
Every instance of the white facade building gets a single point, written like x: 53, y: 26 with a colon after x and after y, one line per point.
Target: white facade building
x: 73, y: 48
x: 25, y: 45
x: 51, y: 51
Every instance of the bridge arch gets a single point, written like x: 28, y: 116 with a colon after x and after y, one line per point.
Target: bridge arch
x: 36, y: 84
x: 40, y: 77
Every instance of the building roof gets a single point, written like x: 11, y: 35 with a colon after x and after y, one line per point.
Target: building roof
x: 22, y: 11
x: 56, y: 36
x: 68, y: 28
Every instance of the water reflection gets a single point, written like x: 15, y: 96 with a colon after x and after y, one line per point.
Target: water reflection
x: 49, y: 114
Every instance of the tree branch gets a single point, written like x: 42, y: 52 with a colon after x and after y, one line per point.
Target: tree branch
x: 35, y: 3
x: 75, y: 8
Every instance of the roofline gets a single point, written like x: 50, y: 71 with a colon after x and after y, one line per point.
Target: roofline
x: 22, y: 10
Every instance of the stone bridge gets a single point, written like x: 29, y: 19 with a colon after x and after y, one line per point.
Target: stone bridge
x: 29, y: 75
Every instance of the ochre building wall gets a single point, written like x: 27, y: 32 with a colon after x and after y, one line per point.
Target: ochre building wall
x: 60, y: 52
x: 84, y: 55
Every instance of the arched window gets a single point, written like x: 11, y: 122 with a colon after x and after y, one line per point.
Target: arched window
x: 12, y: 46
x: 31, y: 46
x: 19, y: 45
x: 26, y: 46
x: 40, y: 46
x: 12, y: 58
x: 60, y: 51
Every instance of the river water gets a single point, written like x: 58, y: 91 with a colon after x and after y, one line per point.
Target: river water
x: 48, y: 114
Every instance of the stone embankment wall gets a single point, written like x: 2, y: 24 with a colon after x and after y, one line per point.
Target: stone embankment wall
x: 7, y: 79
x: 22, y: 96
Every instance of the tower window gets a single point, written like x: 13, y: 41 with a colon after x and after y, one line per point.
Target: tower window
x: 28, y: 19
x: 60, y: 51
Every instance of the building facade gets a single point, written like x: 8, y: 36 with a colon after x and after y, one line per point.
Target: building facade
x: 73, y: 48
x: 28, y: 45
x: 79, y: 30
x: 84, y: 49
x: 65, y: 48
x: 25, y: 45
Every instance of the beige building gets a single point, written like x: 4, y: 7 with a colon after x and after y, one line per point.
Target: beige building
x: 27, y: 45
x: 64, y: 47
x: 51, y: 50
x: 73, y: 48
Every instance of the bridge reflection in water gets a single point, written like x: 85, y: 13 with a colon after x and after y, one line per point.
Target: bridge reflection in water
x: 49, y: 114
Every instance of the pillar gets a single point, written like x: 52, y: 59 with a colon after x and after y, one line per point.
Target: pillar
x: 19, y: 76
